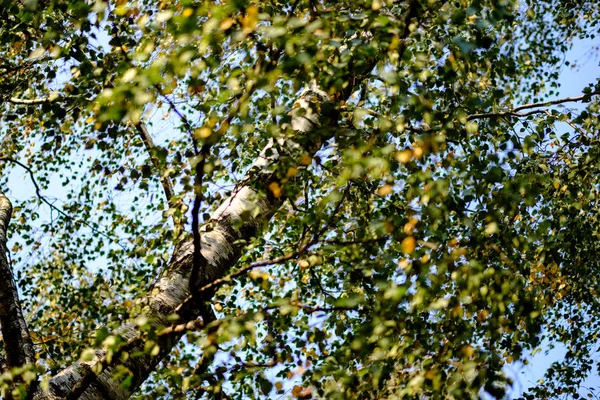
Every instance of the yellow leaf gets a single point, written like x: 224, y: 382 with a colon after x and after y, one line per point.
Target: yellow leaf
x: 482, y: 315
x: 468, y: 351
x: 418, y: 152
x: 203, y: 132
x: 384, y: 190
x: 226, y: 24
x: 296, y: 391
x: 404, y: 156
x: 255, y: 274
x: 251, y: 19
x: 409, y: 244
x: 409, y: 227
x: 187, y: 12
x: 306, y: 159
x: 292, y: 172
x: 275, y: 189
x: 395, y: 43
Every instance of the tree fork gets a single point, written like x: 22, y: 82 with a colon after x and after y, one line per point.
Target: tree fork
x: 238, y: 219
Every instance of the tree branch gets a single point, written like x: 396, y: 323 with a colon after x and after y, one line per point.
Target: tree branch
x: 52, y: 206
x: 199, y: 176
x: 167, y: 185
x: 81, y: 386
x: 515, y: 112
x: 140, y: 128
x: 238, y: 219
x: 30, y: 102
x: 54, y: 96
x: 18, y: 345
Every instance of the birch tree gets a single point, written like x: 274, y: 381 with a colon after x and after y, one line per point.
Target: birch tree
x: 305, y: 199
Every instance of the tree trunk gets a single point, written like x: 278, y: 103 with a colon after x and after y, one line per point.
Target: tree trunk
x: 17, y: 342
x: 238, y: 219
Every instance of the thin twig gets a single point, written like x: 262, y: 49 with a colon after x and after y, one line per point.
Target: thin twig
x: 150, y: 148
x: 147, y: 139
x: 515, y: 111
x: 52, y: 206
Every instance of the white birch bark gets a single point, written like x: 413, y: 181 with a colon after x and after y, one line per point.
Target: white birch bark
x: 238, y: 219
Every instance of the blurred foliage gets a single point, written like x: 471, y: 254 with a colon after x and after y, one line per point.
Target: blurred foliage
x: 443, y: 245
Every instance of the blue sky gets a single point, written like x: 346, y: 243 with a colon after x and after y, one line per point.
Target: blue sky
x: 586, y: 69
x: 585, y: 55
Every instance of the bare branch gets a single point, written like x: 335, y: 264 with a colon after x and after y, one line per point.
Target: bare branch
x: 554, y: 102
x: 54, y: 96
x: 52, y: 206
x: 515, y: 111
x: 150, y: 148
x: 7, y: 68
x: 30, y: 102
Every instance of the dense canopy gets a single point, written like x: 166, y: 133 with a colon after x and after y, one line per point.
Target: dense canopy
x: 266, y: 199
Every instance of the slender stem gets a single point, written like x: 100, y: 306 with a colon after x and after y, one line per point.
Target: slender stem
x: 515, y: 112
x: 52, y: 206
x: 150, y: 148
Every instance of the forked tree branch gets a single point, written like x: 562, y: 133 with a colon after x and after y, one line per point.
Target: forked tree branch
x: 234, y: 223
